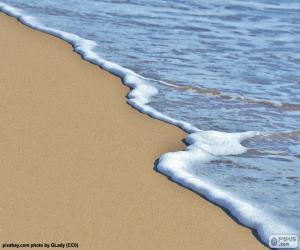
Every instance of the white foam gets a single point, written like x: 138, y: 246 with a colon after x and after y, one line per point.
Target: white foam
x: 203, y: 145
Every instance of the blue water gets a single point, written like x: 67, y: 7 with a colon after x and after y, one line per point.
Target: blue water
x: 224, y: 68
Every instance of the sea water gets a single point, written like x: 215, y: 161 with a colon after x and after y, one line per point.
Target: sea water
x: 227, y: 72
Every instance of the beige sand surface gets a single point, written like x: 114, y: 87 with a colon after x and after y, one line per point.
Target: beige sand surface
x: 77, y: 162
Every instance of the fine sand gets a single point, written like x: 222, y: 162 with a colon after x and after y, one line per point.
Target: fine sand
x: 77, y: 161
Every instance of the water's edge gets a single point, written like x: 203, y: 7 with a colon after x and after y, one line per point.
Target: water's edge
x: 173, y: 164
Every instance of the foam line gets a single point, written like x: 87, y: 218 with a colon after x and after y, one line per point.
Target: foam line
x: 141, y: 89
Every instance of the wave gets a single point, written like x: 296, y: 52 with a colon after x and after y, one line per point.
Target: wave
x: 294, y: 134
x: 202, y: 146
x: 236, y: 97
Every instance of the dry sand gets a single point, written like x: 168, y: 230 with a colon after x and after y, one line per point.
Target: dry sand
x: 77, y: 161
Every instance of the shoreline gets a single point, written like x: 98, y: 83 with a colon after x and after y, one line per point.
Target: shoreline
x: 87, y: 114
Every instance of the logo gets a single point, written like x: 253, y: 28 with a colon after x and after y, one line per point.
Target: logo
x: 283, y: 241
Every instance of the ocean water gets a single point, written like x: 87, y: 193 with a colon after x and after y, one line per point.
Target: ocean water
x: 227, y: 72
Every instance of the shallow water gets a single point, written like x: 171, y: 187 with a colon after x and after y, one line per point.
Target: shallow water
x: 227, y: 66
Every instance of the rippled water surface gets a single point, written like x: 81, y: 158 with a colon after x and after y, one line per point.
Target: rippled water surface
x: 229, y: 66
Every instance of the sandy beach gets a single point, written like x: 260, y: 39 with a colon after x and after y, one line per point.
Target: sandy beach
x: 77, y: 162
